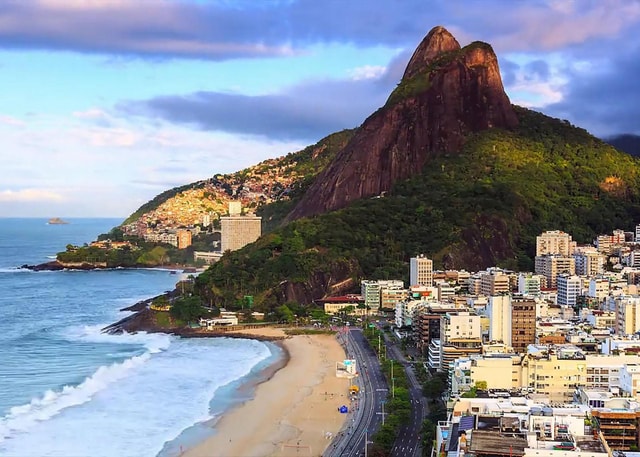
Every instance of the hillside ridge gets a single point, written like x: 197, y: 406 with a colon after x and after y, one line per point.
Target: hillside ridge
x: 446, y: 93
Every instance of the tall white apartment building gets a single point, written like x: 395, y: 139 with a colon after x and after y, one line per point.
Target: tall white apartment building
x: 420, y: 271
x: 569, y: 288
x: 554, y: 242
x: 499, y: 313
x: 637, y: 237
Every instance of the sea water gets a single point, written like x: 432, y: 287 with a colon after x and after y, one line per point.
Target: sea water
x: 67, y: 389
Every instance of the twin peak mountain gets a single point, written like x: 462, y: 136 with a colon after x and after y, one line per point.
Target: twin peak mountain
x: 446, y: 93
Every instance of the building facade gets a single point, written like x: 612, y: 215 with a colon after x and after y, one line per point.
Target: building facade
x: 420, y: 271
x: 238, y: 230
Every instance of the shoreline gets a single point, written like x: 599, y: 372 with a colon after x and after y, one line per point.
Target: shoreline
x: 231, y: 396
x: 291, y: 405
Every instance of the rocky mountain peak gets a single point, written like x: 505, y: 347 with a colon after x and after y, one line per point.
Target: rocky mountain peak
x: 446, y: 94
x: 437, y: 41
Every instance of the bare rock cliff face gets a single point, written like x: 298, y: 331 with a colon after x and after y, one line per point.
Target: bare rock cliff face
x: 446, y: 93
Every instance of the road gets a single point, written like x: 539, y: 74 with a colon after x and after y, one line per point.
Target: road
x: 408, y: 441
x: 373, y: 392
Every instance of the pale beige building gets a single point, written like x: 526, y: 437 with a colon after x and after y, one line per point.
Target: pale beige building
x: 555, y: 242
x: 627, y: 309
x: 238, y: 230
x: 550, y: 266
x: 420, y: 271
x: 494, y: 283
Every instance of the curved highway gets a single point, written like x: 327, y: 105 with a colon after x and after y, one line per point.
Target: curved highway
x: 367, y: 417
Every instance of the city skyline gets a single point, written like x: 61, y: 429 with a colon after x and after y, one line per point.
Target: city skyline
x: 108, y: 103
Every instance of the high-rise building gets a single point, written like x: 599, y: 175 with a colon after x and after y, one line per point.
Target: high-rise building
x: 499, y: 312
x: 554, y: 242
x: 550, y: 266
x: 494, y: 283
x: 627, y: 314
x: 237, y: 230
x: 589, y: 263
x: 523, y: 323
x: 529, y: 284
x: 382, y: 294
x: 461, y: 336
x: 569, y: 288
x: 420, y: 271
x: 184, y: 238
x: 606, y: 243
x: 637, y: 238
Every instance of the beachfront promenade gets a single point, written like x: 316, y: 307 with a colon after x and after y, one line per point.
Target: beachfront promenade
x: 368, y: 415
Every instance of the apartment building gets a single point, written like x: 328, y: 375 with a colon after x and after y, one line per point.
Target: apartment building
x: 523, y: 323
x: 460, y: 335
x: 550, y: 266
x: 420, y: 271
x: 183, y: 238
x: 530, y: 284
x: 554, y: 242
x: 607, y: 243
x: 569, y: 288
x: 494, y: 282
x: 627, y: 308
x: 238, y: 230
x: 499, y: 313
x: 589, y: 263
x: 382, y: 293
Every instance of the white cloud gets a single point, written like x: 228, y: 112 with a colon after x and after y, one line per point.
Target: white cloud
x: 30, y: 195
x: 10, y: 120
x: 367, y: 72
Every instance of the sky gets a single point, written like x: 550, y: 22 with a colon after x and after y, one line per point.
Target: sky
x: 106, y: 103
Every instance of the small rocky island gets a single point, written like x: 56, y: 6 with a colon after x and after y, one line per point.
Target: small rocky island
x: 57, y: 221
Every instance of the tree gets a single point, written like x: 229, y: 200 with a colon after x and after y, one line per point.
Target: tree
x: 283, y: 313
x: 187, y: 309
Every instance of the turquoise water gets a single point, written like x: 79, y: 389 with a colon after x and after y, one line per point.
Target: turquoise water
x: 68, y: 390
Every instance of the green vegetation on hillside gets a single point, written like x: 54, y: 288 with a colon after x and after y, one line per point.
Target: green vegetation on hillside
x: 307, y: 164
x: 482, y: 207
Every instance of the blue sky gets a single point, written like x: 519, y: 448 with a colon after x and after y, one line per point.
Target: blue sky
x: 106, y: 103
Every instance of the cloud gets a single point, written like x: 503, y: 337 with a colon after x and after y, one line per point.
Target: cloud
x: 307, y: 111
x: 221, y: 30
x: 603, y: 97
x: 30, y: 195
x: 367, y: 72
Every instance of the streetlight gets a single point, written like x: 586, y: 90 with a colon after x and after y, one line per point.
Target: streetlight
x: 393, y: 381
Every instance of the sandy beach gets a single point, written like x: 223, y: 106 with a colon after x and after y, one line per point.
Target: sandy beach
x: 293, y: 412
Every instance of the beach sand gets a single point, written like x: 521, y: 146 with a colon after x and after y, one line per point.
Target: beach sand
x: 292, y: 412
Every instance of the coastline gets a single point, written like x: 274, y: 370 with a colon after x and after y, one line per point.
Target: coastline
x: 290, y: 406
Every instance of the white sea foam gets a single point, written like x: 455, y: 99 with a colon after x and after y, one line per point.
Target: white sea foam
x: 24, y: 417
x: 138, y: 406
x: 154, y: 342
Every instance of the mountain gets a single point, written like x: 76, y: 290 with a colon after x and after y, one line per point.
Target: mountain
x: 447, y: 167
x: 626, y: 142
x: 270, y: 188
x: 447, y: 93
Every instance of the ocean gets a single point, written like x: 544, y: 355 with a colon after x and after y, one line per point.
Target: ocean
x: 68, y: 390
